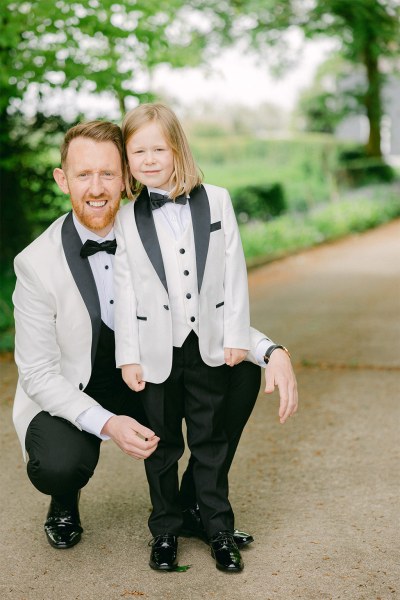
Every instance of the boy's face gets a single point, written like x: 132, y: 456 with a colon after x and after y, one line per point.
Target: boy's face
x: 150, y: 158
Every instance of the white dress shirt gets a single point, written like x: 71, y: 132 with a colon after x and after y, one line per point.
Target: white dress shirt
x: 93, y: 419
x: 173, y: 217
x: 101, y: 264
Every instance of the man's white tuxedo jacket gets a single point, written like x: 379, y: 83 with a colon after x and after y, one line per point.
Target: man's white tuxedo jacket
x: 58, y: 320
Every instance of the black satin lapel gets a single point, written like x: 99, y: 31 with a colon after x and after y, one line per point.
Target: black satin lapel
x: 148, y: 234
x: 201, y: 219
x: 82, y: 273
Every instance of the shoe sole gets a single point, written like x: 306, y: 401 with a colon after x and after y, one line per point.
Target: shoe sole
x: 166, y: 569
x: 226, y: 569
x: 64, y: 546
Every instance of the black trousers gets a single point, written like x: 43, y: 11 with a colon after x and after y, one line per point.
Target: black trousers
x: 62, y: 458
x: 196, y: 392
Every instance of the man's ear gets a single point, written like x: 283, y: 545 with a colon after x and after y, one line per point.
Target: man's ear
x: 61, y: 180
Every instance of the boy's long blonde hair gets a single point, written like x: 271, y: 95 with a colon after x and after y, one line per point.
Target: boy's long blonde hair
x: 186, y: 175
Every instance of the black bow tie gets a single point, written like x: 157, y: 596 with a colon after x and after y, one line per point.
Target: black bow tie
x: 158, y: 200
x: 91, y: 247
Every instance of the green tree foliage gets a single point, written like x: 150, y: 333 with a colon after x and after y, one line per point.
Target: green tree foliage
x: 90, y: 45
x: 368, y: 33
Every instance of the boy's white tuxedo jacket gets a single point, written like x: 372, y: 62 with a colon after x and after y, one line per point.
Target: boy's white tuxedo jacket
x: 143, y: 323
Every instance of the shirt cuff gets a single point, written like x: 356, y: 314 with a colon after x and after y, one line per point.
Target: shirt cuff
x: 261, y: 349
x: 93, y: 420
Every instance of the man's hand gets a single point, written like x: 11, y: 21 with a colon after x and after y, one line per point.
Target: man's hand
x: 279, y: 372
x: 234, y: 356
x: 132, y: 437
x: 132, y: 375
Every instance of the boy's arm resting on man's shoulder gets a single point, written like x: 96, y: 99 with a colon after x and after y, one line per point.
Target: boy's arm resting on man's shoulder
x: 37, y: 352
x: 236, y: 297
x: 126, y: 324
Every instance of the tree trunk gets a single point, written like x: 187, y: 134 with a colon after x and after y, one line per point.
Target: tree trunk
x: 373, y: 102
x: 121, y: 102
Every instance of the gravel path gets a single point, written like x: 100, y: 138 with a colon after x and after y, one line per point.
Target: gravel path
x: 320, y: 494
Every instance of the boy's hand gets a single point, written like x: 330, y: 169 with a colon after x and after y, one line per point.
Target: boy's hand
x: 234, y: 356
x: 132, y: 375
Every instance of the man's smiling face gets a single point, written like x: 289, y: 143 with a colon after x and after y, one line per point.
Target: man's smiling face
x: 92, y: 176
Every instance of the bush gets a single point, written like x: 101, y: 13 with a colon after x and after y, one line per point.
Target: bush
x: 292, y: 232
x: 304, y: 164
x: 259, y: 202
x: 357, y: 169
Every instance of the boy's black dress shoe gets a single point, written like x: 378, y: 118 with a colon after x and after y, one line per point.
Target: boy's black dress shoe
x: 226, y: 553
x: 63, y: 526
x: 193, y: 527
x: 164, y: 549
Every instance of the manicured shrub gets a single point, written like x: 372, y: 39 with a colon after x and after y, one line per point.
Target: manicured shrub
x: 357, y: 169
x: 260, y: 202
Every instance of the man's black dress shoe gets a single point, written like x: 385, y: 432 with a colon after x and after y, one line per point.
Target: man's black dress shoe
x: 193, y: 527
x: 63, y: 526
x: 226, y: 553
x: 164, y: 549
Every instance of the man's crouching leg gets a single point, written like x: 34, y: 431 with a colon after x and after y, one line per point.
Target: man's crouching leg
x: 61, y: 461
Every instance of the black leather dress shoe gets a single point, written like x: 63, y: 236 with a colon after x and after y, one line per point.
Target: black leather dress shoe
x: 193, y: 527
x: 164, y: 549
x: 63, y: 526
x: 226, y: 553
x: 242, y: 538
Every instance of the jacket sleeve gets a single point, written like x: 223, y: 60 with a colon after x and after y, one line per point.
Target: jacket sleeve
x: 37, y: 352
x: 236, y: 294
x: 126, y: 324
x: 255, y: 338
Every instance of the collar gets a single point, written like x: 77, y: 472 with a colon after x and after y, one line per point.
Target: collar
x: 87, y: 234
x: 159, y: 191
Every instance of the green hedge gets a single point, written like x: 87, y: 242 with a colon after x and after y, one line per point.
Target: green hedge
x: 304, y: 166
x: 293, y: 232
x: 259, y: 202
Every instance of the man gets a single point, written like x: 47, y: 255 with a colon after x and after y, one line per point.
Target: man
x: 70, y: 395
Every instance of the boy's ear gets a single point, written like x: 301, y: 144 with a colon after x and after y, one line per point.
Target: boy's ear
x: 61, y: 180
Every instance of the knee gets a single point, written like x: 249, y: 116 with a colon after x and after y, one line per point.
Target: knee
x: 58, y: 475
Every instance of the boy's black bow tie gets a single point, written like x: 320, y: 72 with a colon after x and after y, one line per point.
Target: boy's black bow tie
x: 158, y: 200
x: 91, y: 247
